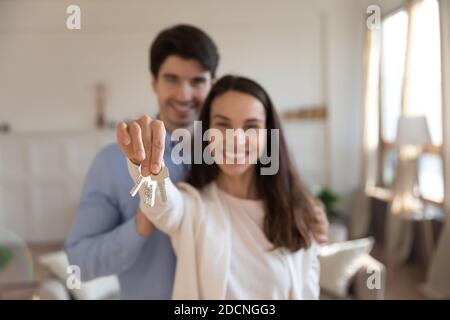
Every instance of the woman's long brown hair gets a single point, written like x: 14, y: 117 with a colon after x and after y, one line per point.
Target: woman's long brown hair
x: 289, y: 208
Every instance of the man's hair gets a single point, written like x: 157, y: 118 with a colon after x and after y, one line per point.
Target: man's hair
x: 187, y: 42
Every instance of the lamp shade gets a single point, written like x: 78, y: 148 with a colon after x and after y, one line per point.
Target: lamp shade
x: 412, y: 130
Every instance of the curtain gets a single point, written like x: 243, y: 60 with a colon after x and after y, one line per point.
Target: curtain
x: 399, y: 232
x: 438, y: 278
x: 369, y: 147
x: 420, y: 84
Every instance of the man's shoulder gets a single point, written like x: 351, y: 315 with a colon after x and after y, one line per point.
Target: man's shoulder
x: 109, y: 158
x: 110, y: 153
x: 109, y: 165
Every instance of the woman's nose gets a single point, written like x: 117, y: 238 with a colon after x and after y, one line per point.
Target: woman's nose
x: 238, y: 142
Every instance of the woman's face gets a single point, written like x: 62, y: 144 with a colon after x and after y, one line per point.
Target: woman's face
x: 238, y: 150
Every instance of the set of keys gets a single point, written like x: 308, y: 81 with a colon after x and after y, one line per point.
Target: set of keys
x: 151, y: 183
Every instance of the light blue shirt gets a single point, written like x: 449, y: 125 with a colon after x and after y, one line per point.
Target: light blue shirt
x: 103, y: 239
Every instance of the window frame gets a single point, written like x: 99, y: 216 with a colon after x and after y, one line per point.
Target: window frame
x: 385, y: 146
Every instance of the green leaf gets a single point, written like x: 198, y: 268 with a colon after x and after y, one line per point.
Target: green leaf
x: 329, y: 200
x: 6, y: 257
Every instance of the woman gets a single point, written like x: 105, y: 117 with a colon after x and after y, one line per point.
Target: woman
x: 239, y: 234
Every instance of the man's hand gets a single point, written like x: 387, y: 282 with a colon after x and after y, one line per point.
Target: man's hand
x: 321, y: 226
x: 142, y: 141
x: 143, y: 226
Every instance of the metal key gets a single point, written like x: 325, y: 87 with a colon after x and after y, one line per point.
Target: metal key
x: 150, y: 191
x: 140, y: 181
x: 160, y: 180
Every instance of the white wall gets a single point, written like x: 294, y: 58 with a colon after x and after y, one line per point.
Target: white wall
x: 304, y: 52
x: 48, y: 72
x: 41, y: 177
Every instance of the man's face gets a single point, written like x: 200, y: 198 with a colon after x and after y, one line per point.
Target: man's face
x: 181, y: 87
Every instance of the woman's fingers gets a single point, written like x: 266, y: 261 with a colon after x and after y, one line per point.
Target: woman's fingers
x: 136, y: 141
x: 142, y: 142
x: 158, y: 142
x: 145, y: 123
x: 124, y: 139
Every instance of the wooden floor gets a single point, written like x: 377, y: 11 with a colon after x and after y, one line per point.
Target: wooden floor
x: 20, y: 279
x: 403, y: 282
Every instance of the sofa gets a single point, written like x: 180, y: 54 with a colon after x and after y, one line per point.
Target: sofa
x: 358, y: 288
x: 347, y: 270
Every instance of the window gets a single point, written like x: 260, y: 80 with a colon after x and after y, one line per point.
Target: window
x: 394, y: 32
x: 414, y: 35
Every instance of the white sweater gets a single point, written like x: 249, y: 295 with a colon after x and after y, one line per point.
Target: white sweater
x: 199, y: 225
x: 252, y: 256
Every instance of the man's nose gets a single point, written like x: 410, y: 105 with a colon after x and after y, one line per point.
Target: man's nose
x: 184, y: 93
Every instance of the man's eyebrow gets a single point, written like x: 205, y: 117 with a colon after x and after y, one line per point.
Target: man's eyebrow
x: 199, y: 79
x: 170, y: 75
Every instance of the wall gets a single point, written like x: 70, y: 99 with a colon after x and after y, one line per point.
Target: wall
x: 41, y: 177
x: 48, y: 72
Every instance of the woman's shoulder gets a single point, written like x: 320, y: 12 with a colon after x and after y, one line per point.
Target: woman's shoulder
x: 203, y: 203
x: 201, y: 196
x: 207, y: 190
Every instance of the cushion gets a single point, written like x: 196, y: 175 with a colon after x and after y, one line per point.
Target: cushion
x: 339, y: 263
x: 100, y: 288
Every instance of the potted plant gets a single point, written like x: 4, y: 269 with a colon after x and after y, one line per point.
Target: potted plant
x: 330, y: 200
x: 6, y: 257
x: 338, y: 230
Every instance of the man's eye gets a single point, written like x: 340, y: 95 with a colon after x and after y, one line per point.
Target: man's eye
x: 171, y: 80
x: 197, y: 83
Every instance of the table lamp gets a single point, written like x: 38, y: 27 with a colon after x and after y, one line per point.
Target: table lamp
x: 412, y: 136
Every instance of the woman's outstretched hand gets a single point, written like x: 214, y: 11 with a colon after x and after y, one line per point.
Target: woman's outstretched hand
x: 142, y: 141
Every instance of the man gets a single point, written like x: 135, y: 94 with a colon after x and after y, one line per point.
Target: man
x: 110, y: 235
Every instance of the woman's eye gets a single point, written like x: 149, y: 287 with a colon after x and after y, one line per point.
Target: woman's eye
x: 221, y: 124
